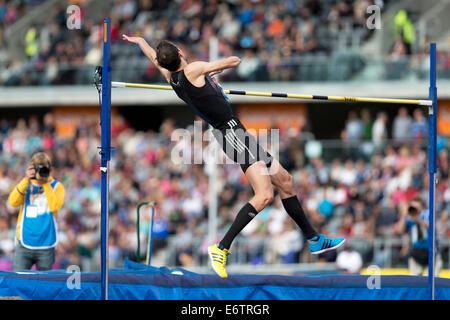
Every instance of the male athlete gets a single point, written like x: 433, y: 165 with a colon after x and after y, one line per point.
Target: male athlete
x: 193, y: 84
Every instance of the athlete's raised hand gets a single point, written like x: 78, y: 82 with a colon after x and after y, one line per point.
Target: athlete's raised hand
x: 131, y: 39
x: 149, y: 53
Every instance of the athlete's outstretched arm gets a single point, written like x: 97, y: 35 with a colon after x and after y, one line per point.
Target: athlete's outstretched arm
x: 214, y: 67
x: 198, y: 69
x: 149, y: 52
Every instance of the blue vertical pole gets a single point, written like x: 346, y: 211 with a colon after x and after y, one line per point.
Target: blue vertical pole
x: 105, y: 153
x: 432, y: 142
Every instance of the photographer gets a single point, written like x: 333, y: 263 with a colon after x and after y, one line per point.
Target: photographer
x: 39, y: 197
x: 414, y: 220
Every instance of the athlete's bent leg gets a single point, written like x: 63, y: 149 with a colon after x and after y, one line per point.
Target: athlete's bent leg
x: 259, y: 179
x: 285, y: 185
x: 284, y: 182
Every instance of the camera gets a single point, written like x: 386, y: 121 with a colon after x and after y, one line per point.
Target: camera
x: 413, y: 211
x: 43, y: 171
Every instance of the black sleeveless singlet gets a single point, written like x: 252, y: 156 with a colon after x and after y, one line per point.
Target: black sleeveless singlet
x: 208, y: 101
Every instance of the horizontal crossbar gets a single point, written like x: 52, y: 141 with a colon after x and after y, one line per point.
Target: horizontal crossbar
x: 116, y: 84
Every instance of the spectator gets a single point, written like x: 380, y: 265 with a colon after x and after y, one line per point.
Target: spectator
x: 348, y: 174
x: 31, y: 42
x: 402, y: 126
x: 414, y: 220
x: 3, y: 11
x: 367, y: 124
x: 246, y: 13
x: 405, y: 30
x: 349, y: 260
x: 288, y: 243
x: 248, y: 66
x: 354, y: 127
x: 40, y: 197
x: 94, y: 55
x: 379, y: 130
x: 419, y: 128
x: 399, y: 50
x: 229, y: 27
x: 310, y: 42
x: 51, y: 72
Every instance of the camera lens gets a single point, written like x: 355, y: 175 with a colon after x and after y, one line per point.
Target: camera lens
x: 43, y: 171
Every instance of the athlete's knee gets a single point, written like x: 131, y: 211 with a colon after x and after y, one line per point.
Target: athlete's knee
x: 263, y: 199
x: 288, y: 182
x: 284, y: 181
x: 267, y: 198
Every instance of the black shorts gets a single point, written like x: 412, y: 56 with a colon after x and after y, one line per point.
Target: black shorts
x: 240, y: 146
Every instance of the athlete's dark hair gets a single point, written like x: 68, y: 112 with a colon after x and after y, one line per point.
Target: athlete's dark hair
x: 167, y: 55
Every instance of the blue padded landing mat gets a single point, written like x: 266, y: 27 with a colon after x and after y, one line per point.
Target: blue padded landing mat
x: 140, y: 282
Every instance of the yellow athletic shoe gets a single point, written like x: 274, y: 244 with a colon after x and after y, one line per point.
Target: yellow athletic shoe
x: 218, y: 259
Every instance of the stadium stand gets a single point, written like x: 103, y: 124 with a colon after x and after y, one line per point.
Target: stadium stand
x: 355, y: 190
x: 307, y: 40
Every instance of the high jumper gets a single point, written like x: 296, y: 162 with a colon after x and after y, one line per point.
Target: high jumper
x: 194, y: 84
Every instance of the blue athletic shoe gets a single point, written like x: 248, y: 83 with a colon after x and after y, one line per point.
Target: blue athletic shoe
x: 324, y: 244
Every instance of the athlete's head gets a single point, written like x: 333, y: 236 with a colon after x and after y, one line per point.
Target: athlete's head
x: 168, y: 55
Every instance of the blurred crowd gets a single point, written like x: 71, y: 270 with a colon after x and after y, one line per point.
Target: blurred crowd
x: 357, y: 199
x: 360, y: 127
x: 10, y: 12
x: 270, y: 36
x: 277, y: 41
x: 13, y: 10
